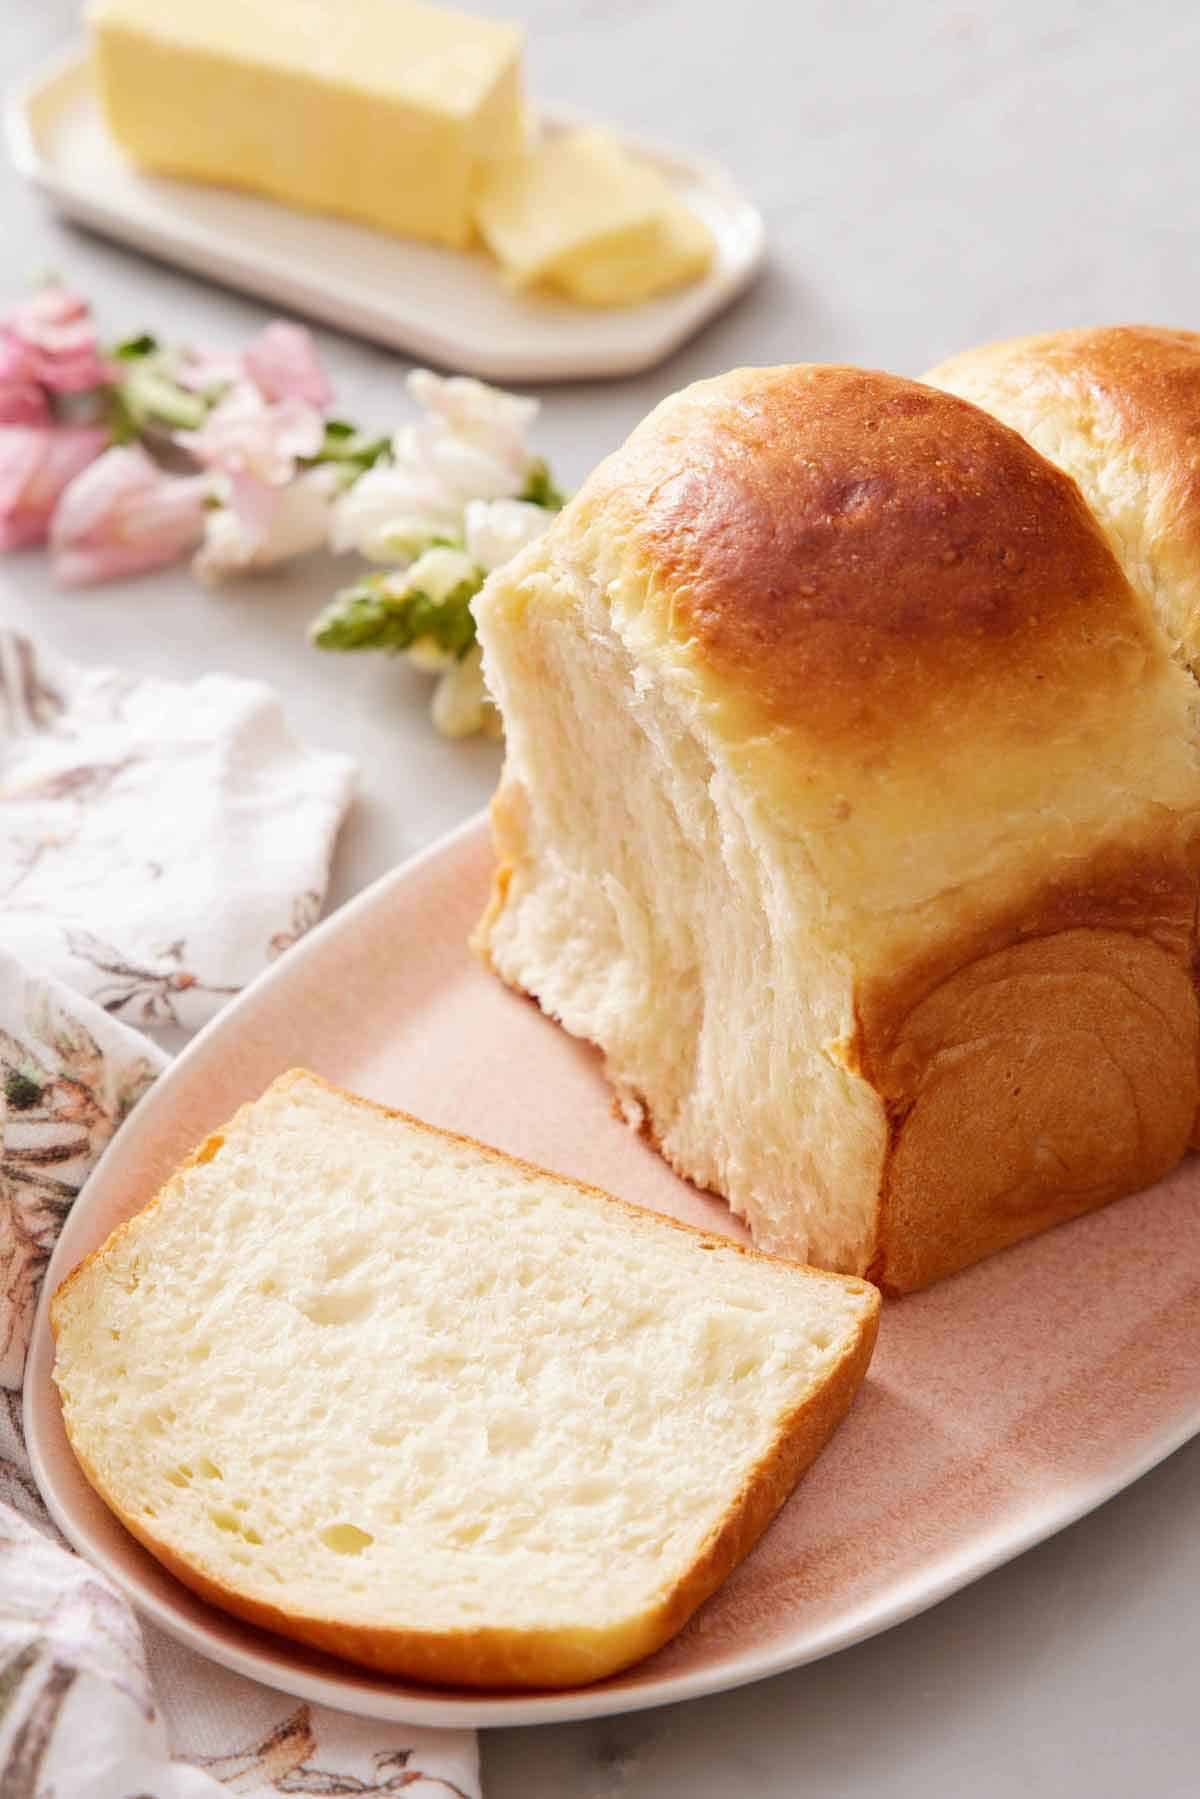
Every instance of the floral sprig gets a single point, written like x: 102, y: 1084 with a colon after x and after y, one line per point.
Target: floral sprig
x: 458, y: 494
x: 128, y: 459
x: 424, y: 611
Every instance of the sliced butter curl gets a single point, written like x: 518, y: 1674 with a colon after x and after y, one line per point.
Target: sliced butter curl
x: 580, y: 215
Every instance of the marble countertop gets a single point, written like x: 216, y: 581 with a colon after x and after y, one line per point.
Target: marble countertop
x: 932, y: 174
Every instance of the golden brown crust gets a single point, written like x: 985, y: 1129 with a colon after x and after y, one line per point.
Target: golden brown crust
x: 1032, y: 1086
x: 1137, y: 381
x: 1118, y: 407
x: 1144, y: 886
x: 493, y: 1658
x: 1040, y: 1070
x: 856, y: 550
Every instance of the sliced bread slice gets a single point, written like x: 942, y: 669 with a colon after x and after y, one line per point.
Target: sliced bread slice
x: 397, y: 1395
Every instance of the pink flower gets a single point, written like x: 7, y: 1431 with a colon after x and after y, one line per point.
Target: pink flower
x: 22, y: 399
x: 207, y: 371
x: 123, y: 516
x: 54, y: 331
x: 37, y: 462
x: 260, y: 525
x: 245, y: 434
x: 282, y: 362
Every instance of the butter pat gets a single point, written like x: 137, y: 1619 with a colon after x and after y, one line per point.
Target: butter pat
x: 581, y: 215
x: 384, y: 111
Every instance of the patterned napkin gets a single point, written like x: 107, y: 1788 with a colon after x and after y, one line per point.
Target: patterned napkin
x: 160, y: 842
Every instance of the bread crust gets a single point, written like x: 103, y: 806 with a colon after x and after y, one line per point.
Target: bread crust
x: 1149, y: 373
x: 518, y: 1659
x: 1040, y: 1069
x: 862, y: 557
x: 1031, y: 1086
x: 1139, y: 382
x: 1116, y: 406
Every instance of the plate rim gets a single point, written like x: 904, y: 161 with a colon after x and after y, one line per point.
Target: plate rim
x: 193, y: 247
x: 980, y: 1556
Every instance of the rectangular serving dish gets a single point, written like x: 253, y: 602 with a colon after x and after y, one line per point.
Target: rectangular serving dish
x: 437, y: 305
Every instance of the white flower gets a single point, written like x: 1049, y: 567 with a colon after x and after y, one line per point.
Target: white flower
x: 261, y: 524
x: 439, y: 571
x: 469, y: 446
x: 465, y: 469
x: 461, y: 702
x: 393, y: 512
x: 428, y: 655
x: 444, y: 511
x: 495, y: 422
x: 496, y: 529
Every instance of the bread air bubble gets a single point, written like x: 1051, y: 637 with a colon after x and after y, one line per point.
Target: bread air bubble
x: 346, y: 1539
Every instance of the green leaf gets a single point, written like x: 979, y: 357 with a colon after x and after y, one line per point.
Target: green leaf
x: 123, y: 427
x: 131, y: 348
x: 539, y: 489
x: 348, y: 447
x: 149, y: 396
x: 370, y: 450
x: 450, y: 622
x: 361, y: 618
x: 375, y: 615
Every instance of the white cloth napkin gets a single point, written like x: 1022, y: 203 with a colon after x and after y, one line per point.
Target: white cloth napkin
x: 160, y: 842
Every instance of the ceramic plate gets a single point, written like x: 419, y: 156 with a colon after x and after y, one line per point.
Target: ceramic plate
x: 1000, y: 1405
x: 445, y: 306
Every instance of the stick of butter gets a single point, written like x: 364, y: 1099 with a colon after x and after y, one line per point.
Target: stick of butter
x: 384, y: 111
x: 580, y: 215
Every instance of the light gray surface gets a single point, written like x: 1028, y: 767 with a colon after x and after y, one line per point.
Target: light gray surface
x: 932, y: 174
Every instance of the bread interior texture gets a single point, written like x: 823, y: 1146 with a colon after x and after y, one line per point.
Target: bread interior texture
x: 400, y: 1396
x: 652, y: 907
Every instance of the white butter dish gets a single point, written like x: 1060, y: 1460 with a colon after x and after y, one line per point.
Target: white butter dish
x: 442, y: 306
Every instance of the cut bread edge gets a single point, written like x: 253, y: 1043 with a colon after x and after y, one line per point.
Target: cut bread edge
x: 497, y: 1657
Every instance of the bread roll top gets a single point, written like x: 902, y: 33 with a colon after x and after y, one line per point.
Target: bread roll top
x: 1119, y: 409
x: 864, y: 558
x: 903, y: 629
